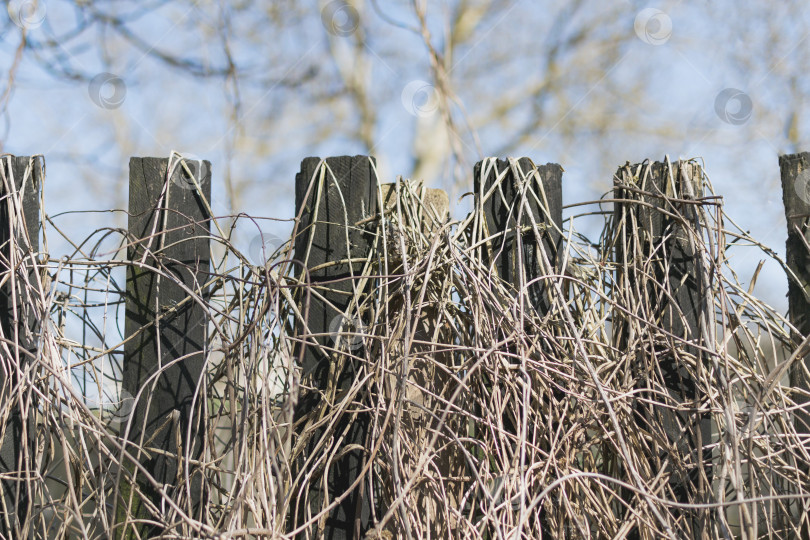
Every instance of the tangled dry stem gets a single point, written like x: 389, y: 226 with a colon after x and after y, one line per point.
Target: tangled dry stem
x: 489, y: 419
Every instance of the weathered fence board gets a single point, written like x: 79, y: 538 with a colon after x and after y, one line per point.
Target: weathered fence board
x: 330, y: 199
x: 522, y: 205
x: 795, y: 170
x: 654, y: 248
x: 418, y: 369
x: 20, y: 183
x: 513, y: 197
x: 164, y: 360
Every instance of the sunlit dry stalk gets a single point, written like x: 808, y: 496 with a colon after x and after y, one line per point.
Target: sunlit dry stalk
x: 488, y: 418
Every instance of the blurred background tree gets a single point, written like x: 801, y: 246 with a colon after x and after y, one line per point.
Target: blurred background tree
x: 427, y: 87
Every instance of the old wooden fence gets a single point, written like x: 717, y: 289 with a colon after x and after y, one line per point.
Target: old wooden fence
x: 166, y: 325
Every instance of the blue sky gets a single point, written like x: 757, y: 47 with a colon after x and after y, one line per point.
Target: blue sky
x: 683, y: 71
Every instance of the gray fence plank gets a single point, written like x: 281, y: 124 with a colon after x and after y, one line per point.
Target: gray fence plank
x: 166, y: 359
x: 523, y: 215
x: 18, y: 334
x: 795, y: 169
x: 346, y: 196
x: 507, y: 210
x: 675, y: 300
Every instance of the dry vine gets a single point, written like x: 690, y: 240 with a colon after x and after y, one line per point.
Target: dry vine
x: 488, y: 419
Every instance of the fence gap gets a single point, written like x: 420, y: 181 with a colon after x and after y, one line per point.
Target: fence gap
x: 658, y: 271
x: 20, y: 183
x: 332, y: 199
x: 164, y: 358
